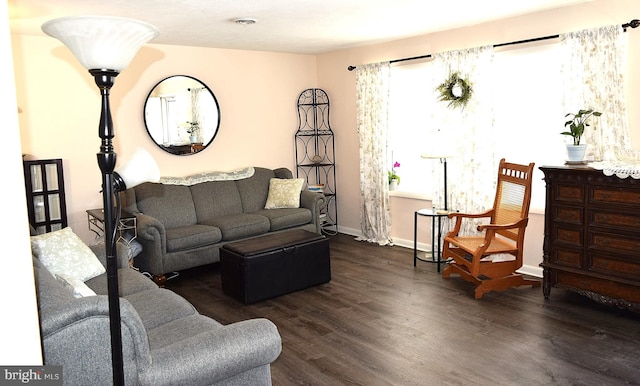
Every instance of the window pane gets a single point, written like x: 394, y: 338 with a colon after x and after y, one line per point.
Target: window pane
x: 52, y: 176
x: 410, y: 109
x: 528, y: 110
x: 527, y: 107
x: 36, y: 178
x: 54, y: 207
x: 38, y: 208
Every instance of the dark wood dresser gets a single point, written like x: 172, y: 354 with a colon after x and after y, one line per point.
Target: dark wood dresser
x: 592, y: 235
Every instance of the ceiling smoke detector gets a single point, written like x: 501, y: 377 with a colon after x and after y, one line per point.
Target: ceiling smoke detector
x: 245, y: 21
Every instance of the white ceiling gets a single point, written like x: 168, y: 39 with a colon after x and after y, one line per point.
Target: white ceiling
x: 294, y: 26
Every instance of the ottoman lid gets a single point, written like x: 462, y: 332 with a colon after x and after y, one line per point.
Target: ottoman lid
x: 272, y: 242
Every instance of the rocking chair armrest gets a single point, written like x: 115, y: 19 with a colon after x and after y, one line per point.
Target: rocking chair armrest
x: 498, y: 227
x: 470, y: 215
x: 459, y: 216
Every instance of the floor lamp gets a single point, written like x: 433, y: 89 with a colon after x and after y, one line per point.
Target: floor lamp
x: 443, y: 160
x: 105, y: 46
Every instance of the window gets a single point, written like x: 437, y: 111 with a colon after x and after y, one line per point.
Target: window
x: 410, y: 109
x: 528, y: 110
x: 527, y: 107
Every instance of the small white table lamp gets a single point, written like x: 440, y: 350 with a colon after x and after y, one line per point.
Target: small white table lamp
x: 443, y: 159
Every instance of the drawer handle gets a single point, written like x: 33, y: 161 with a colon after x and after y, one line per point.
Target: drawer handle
x: 290, y: 250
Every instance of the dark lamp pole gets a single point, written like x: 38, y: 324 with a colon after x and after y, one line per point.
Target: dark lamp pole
x: 105, y: 46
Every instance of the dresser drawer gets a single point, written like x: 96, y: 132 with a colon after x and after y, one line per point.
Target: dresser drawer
x: 611, y: 195
x: 613, y: 289
x: 625, y: 221
x: 622, y: 266
x: 569, y: 193
x: 568, y: 214
x: 568, y: 235
x: 566, y: 257
x: 614, y: 243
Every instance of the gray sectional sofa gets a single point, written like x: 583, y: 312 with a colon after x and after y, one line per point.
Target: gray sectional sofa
x: 165, y: 340
x: 182, y: 225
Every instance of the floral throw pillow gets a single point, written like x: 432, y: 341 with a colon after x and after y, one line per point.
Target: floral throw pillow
x: 63, y: 253
x: 284, y: 193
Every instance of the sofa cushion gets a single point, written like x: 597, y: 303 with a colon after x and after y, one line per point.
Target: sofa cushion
x: 284, y: 193
x: 179, y: 330
x: 286, y: 218
x: 172, y: 205
x: 159, y: 306
x: 192, y: 236
x: 63, y: 253
x: 254, y: 190
x: 241, y: 225
x: 215, y: 198
x: 130, y: 281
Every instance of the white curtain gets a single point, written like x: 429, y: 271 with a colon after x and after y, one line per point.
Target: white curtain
x: 372, y: 104
x: 593, y: 69
x: 465, y: 135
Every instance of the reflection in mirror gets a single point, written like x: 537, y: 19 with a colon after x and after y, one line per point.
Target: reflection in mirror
x: 182, y: 115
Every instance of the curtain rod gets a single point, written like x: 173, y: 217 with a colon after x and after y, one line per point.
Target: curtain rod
x: 633, y: 24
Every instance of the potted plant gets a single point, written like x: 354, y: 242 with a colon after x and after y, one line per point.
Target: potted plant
x: 193, y: 131
x: 394, y: 179
x: 577, y: 123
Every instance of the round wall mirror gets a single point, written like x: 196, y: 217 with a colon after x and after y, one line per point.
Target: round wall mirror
x: 182, y: 115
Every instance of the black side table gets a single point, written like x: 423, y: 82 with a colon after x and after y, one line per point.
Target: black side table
x: 95, y: 219
x: 436, y: 254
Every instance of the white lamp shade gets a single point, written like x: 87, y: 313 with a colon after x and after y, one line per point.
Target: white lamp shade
x: 435, y: 155
x: 140, y: 168
x: 99, y: 42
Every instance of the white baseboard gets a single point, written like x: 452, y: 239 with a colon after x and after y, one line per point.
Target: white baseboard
x: 529, y: 270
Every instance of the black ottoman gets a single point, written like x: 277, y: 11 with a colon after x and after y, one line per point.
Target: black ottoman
x: 274, y: 265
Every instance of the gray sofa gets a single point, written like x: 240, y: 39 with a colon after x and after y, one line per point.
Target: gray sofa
x: 182, y: 226
x: 165, y: 340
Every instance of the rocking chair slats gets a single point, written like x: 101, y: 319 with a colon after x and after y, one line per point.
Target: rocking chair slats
x: 481, y: 259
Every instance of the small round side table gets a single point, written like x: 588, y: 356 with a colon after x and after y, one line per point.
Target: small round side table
x: 435, y: 256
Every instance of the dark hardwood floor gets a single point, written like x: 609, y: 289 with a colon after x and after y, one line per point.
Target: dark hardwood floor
x: 380, y: 321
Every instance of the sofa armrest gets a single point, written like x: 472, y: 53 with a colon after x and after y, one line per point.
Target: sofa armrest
x: 150, y: 228
x: 315, y: 202
x: 76, y: 335
x: 152, y: 237
x: 122, y: 254
x: 221, y: 354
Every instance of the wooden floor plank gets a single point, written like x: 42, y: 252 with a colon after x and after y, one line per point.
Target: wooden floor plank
x: 381, y: 321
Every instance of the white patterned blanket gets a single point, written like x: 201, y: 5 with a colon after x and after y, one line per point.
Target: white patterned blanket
x: 618, y: 168
x: 232, y: 175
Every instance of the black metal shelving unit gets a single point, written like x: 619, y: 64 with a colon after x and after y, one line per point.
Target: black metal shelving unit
x: 315, y: 151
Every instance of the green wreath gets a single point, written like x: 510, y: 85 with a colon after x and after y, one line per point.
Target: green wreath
x: 456, y: 91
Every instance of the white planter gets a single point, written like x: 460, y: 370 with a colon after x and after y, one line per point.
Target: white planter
x: 393, y: 185
x: 575, y: 153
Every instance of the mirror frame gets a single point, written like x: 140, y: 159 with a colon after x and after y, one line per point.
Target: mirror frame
x: 182, y: 148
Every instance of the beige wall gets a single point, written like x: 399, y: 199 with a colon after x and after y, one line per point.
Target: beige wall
x: 340, y: 85
x: 257, y: 93
x: 60, y: 105
x: 19, y: 332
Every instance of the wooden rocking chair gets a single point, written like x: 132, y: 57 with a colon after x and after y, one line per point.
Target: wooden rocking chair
x: 490, y: 261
